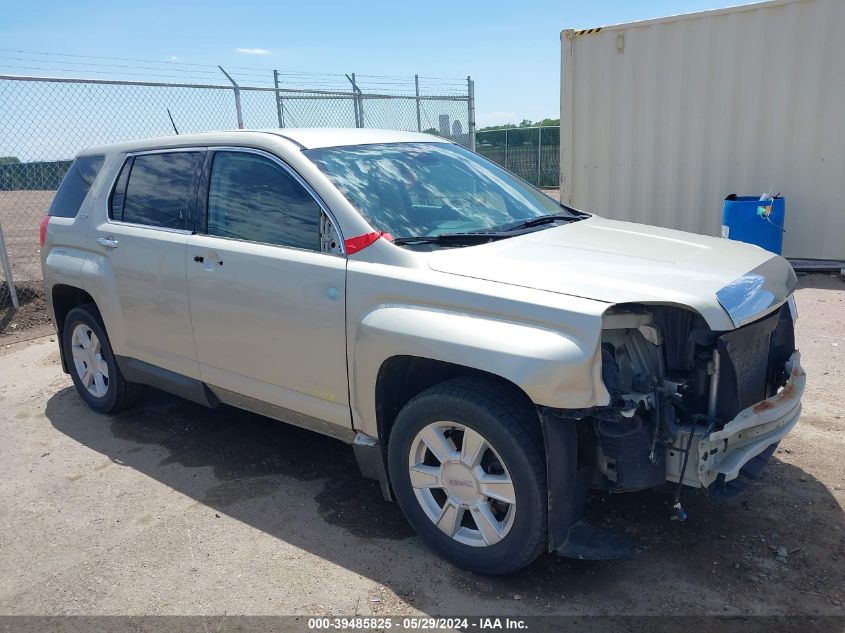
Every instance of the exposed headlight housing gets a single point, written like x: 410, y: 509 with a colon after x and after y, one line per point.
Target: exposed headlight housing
x: 758, y: 291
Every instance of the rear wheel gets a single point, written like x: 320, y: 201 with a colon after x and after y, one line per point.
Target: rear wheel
x: 93, y: 367
x: 466, y: 467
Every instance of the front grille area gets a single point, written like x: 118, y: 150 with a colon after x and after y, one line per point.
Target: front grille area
x: 752, y: 360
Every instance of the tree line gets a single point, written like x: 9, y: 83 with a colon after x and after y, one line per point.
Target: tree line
x: 524, y: 123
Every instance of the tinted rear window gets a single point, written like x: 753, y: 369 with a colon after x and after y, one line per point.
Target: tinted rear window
x: 160, y: 191
x: 75, y: 186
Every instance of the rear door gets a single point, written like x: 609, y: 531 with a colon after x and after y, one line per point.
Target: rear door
x: 267, y: 306
x: 151, y: 216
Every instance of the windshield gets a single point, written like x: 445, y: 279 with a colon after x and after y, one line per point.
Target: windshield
x: 413, y: 189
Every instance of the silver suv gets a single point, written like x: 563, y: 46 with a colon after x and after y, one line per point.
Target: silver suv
x: 489, y: 353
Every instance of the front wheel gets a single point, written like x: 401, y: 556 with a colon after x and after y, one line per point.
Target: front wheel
x: 465, y: 460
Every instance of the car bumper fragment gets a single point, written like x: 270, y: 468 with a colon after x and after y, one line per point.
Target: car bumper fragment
x: 754, y: 430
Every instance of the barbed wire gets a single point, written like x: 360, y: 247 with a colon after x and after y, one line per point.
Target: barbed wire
x: 14, y: 60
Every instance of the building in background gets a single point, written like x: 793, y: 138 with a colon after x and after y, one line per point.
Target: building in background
x: 661, y: 119
x: 443, y: 120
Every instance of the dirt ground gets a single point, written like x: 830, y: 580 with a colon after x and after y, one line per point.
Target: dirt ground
x: 20, y: 216
x: 31, y: 313
x: 172, y: 508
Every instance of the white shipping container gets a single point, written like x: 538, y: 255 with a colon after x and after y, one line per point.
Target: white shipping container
x: 661, y: 119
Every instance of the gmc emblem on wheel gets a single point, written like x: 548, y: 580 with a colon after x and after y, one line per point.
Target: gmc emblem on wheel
x: 463, y: 483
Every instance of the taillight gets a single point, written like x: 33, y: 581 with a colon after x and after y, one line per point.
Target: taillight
x: 42, y: 236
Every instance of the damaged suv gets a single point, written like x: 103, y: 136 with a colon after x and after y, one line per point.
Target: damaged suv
x: 489, y: 353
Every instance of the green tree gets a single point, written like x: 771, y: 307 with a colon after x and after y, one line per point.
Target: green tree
x: 523, y: 124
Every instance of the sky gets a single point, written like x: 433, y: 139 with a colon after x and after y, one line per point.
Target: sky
x: 511, y: 49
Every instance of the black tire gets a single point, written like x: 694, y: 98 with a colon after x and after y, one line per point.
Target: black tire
x: 120, y: 393
x: 504, y: 417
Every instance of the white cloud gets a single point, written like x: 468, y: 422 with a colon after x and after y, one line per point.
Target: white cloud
x: 173, y: 58
x: 483, y: 119
x: 253, y: 51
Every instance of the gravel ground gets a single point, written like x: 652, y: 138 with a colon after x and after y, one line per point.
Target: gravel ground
x: 172, y: 508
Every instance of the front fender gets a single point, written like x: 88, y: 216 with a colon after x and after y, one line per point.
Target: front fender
x: 554, y: 367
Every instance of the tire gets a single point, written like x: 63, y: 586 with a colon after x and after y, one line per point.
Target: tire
x: 110, y: 392
x: 508, y: 425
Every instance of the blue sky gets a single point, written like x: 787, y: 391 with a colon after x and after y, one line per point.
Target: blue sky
x: 510, y: 49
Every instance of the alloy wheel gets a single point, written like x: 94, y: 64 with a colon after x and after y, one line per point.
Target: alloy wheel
x: 462, y: 484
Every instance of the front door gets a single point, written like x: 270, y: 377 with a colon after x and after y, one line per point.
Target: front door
x: 267, y: 306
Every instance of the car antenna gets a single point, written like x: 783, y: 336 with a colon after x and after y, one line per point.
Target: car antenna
x: 171, y: 122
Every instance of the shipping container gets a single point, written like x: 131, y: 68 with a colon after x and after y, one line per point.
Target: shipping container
x: 661, y: 119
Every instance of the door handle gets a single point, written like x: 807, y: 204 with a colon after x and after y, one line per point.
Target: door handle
x: 108, y: 243
x: 199, y: 258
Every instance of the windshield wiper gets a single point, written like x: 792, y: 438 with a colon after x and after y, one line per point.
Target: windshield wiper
x: 451, y: 238
x: 540, y: 220
x: 493, y: 233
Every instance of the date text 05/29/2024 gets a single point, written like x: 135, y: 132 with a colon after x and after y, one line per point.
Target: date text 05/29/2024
x: 415, y: 623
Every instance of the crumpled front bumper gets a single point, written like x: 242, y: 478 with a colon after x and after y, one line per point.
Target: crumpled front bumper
x: 749, y: 434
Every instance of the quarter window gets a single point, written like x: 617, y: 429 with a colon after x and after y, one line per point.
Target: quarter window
x: 251, y: 197
x: 75, y: 186
x: 160, y: 190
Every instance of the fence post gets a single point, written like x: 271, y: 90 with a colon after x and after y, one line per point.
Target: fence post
x: 237, y: 89
x: 357, y: 102
x: 7, y: 270
x: 278, y: 99
x: 417, y: 86
x: 471, y: 112
x: 506, y: 148
x: 539, y: 151
x: 360, y: 101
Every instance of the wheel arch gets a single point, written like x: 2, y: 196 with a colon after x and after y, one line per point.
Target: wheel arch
x: 398, y: 380
x: 402, y: 377
x: 64, y: 298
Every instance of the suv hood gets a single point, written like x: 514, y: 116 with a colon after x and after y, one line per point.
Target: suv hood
x: 728, y: 283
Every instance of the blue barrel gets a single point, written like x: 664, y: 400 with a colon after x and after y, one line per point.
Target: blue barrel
x: 748, y: 219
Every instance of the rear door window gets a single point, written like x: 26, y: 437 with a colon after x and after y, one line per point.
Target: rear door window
x: 251, y: 197
x: 75, y: 186
x: 160, y: 190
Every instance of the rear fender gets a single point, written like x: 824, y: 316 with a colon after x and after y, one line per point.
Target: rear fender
x: 93, y: 274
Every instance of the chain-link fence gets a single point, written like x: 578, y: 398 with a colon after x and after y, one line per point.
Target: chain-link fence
x: 446, y: 117
x: 45, y: 122
x: 410, y: 107
x: 532, y: 153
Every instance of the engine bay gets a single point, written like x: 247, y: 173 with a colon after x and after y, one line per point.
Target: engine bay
x: 672, y: 383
